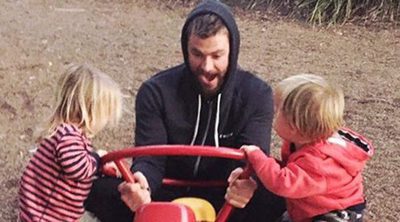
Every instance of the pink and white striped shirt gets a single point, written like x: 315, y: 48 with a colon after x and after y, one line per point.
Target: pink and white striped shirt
x: 58, y: 178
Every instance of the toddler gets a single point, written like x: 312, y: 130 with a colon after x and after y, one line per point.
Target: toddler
x: 59, y: 175
x: 320, y: 172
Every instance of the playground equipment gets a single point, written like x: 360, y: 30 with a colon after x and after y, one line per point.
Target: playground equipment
x: 182, y: 209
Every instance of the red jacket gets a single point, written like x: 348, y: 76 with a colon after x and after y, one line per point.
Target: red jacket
x: 317, y: 178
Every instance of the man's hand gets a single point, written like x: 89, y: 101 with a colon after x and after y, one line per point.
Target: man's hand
x: 135, y: 194
x: 239, y: 191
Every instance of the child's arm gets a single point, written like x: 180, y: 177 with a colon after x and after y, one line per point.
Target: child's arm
x: 250, y: 148
x: 296, y: 180
x: 77, y: 160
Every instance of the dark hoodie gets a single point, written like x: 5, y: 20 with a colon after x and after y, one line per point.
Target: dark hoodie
x: 171, y: 110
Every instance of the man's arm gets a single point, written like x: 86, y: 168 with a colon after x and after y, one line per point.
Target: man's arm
x: 150, y: 130
x: 256, y: 132
x: 258, y: 128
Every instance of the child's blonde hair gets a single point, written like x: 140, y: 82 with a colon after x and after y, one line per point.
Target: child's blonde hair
x: 311, y: 105
x: 88, y: 98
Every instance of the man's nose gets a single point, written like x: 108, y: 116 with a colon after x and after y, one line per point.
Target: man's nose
x: 207, y: 64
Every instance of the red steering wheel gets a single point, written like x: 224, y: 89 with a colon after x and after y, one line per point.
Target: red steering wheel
x: 179, y: 150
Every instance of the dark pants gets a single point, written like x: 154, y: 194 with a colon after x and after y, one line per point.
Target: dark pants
x: 105, y: 203
x: 350, y: 214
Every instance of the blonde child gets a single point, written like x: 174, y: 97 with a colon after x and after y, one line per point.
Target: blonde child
x: 59, y: 176
x: 320, y: 172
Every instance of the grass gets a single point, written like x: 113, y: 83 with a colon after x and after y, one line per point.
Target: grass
x: 325, y: 12
x: 341, y: 11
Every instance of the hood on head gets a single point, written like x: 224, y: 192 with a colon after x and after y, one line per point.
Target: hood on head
x: 355, y: 153
x: 223, y: 12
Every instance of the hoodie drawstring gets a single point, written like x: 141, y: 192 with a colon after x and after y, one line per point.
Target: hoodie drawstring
x: 216, y: 137
x: 196, y: 129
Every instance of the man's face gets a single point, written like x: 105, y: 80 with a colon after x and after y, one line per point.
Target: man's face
x: 209, y: 59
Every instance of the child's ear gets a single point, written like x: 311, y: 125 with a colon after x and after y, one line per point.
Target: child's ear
x: 299, y: 138
x: 293, y: 130
x: 295, y: 134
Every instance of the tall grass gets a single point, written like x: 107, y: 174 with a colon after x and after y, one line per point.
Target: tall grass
x: 330, y: 11
x: 339, y: 11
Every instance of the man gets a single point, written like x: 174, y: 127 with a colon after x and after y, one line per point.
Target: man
x: 207, y: 100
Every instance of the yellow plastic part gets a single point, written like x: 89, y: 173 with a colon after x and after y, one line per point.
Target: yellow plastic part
x: 203, y: 210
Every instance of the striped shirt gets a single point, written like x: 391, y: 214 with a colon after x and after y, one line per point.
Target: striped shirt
x: 58, y: 178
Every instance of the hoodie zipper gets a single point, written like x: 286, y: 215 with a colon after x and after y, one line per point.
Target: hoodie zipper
x: 197, y: 164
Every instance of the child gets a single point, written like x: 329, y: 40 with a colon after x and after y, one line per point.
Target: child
x: 320, y: 173
x: 59, y: 176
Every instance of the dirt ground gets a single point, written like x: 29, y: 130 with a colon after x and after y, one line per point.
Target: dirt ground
x: 133, y: 39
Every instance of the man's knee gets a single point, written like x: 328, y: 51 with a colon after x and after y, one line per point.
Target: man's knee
x: 103, y: 189
x: 105, y: 203
x: 264, y: 206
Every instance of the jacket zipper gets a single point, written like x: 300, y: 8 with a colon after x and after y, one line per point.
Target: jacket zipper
x: 197, y: 164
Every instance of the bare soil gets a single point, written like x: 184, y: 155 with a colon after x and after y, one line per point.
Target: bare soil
x: 131, y: 40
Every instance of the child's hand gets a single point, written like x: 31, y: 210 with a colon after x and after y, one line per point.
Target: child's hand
x: 249, y: 148
x: 110, y: 166
x: 101, y: 152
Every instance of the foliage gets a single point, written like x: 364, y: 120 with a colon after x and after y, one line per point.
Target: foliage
x: 327, y: 11
x: 339, y: 11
